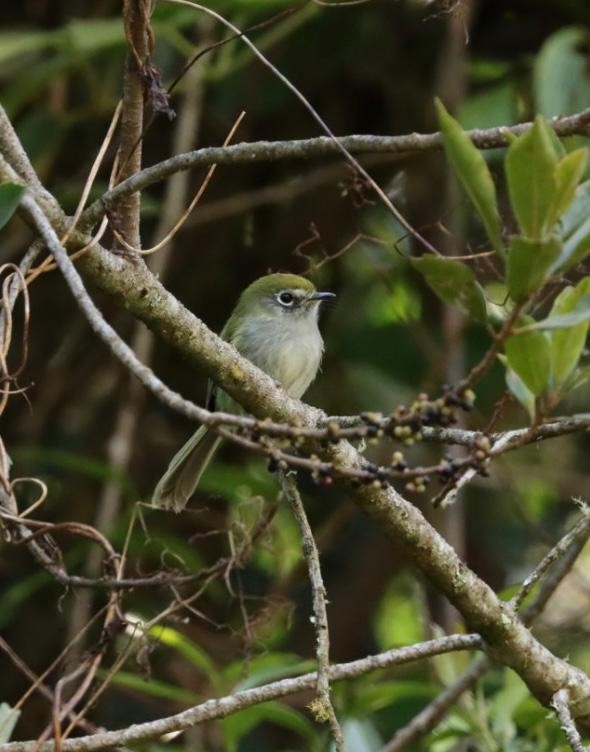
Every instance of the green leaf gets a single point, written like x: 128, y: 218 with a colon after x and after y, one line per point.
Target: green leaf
x: 93, y: 35
x: 575, y: 229
x: 561, y: 82
x: 503, y: 704
x: 16, y: 44
x: 153, y: 687
x: 529, y: 356
x: 473, y: 174
x: 454, y: 282
x: 236, y: 726
x: 530, y: 172
x: 576, y: 248
x: 567, y: 344
x: 73, y: 462
x: 265, y: 668
x: 185, y: 647
x: 578, y: 212
x: 518, y: 389
x: 360, y: 735
x: 371, y: 695
x: 8, y: 719
x: 579, y: 378
x: 529, y: 262
x: 10, y: 196
x: 397, y: 620
x: 580, y: 313
x: 491, y: 107
x: 568, y: 173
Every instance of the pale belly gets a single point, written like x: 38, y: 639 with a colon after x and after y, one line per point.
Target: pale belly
x: 290, y: 353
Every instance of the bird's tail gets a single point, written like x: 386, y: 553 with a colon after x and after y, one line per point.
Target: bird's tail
x: 184, y: 472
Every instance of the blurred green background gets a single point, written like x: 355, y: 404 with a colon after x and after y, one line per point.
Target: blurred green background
x: 368, y: 68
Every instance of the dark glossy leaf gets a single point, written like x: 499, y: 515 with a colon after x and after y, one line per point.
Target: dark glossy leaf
x: 567, y: 344
x: 530, y: 172
x: 529, y: 262
x: 473, y: 174
x: 455, y: 283
x: 10, y: 196
x: 529, y: 356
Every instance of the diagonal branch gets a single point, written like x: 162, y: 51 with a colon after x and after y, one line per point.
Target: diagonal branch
x: 436, y: 710
x: 510, y: 642
x: 224, y: 706
x: 312, y: 148
x: 562, y: 556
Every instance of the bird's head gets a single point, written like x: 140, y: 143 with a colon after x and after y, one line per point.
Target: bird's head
x: 282, y: 295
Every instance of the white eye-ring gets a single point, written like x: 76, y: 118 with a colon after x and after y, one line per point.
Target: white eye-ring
x: 286, y: 298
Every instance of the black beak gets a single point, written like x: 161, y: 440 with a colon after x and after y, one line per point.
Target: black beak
x: 322, y: 296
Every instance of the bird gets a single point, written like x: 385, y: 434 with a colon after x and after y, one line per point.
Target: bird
x: 275, y: 326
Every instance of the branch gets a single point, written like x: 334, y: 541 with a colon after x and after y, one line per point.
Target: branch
x: 563, y: 556
x: 309, y: 148
x: 430, y: 716
x: 136, y: 22
x: 509, y: 640
x: 14, y: 152
x: 561, y: 705
x: 571, y: 544
x: 224, y: 706
x: 322, y: 706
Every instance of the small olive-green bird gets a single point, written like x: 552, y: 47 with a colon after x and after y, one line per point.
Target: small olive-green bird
x: 275, y: 326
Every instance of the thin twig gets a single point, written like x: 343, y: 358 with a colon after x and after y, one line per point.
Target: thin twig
x: 560, y: 703
x: 510, y: 641
x: 122, y: 441
x: 271, y: 151
x: 185, y: 214
x: 430, y: 716
x: 40, y: 687
x: 322, y: 706
x: 319, y: 120
x: 224, y: 706
x: 579, y: 533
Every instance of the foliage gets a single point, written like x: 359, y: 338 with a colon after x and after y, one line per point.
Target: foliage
x: 545, y: 189
x: 389, y: 336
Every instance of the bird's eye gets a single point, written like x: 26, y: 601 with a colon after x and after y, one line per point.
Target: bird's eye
x: 286, y: 298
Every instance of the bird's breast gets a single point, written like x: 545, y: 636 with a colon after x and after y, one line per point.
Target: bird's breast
x: 289, y: 351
